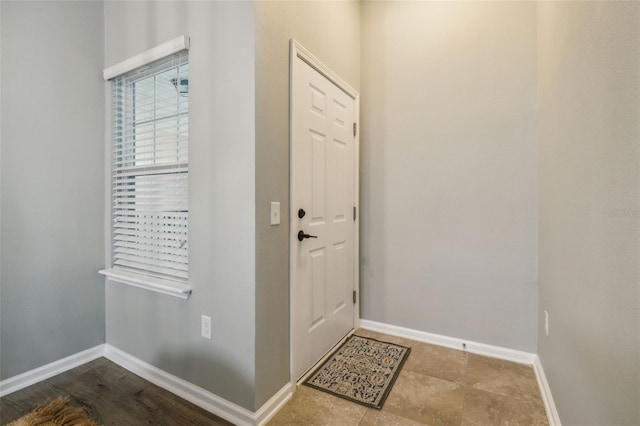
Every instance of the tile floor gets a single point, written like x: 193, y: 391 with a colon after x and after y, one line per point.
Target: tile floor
x: 437, y: 386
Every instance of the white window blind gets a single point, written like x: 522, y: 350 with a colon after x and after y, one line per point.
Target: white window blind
x: 150, y: 169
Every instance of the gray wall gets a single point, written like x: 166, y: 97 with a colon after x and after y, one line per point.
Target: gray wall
x: 331, y: 31
x: 449, y: 169
x: 449, y: 205
x: 589, y: 68
x: 160, y: 329
x: 52, y: 198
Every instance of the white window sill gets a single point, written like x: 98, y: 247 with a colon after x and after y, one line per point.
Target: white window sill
x: 159, y: 285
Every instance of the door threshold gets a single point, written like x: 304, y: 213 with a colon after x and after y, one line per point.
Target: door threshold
x: 324, y: 358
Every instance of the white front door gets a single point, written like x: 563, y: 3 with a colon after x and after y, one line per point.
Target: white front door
x: 323, y: 227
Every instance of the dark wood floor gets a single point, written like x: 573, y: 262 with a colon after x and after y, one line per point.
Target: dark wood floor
x: 111, y: 395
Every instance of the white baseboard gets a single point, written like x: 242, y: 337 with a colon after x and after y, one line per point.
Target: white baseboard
x: 545, y: 390
x: 274, y: 404
x: 197, y: 395
x: 39, y: 374
x: 451, y: 342
x: 180, y: 387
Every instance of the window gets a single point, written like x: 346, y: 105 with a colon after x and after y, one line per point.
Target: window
x: 150, y: 172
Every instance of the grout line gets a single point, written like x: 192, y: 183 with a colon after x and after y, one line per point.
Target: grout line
x: 464, y: 397
x: 363, y: 414
x: 464, y: 385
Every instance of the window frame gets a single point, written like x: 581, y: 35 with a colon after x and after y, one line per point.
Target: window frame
x: 147, y: 280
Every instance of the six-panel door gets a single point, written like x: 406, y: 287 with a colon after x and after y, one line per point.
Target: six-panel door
x: 323, y: 178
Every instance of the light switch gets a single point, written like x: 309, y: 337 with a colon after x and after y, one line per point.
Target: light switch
x: 275, y: 213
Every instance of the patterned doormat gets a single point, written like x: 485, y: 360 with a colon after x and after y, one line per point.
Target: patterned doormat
x: 362, y: 370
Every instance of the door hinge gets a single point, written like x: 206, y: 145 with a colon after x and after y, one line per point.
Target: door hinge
x: 355, y: 126
x: 354, y: 213
x: 355, y: 295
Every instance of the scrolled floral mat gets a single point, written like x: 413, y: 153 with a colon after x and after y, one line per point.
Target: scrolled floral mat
x: 362, y: 370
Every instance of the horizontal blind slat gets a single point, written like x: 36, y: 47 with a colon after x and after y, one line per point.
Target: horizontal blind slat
x: 171, y: 272
x: 152, y: 242
x: 126, y: 215
x: 124, y: 247
x: 138, y: 257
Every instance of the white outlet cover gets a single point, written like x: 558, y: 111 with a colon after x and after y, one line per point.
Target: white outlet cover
x: 205, y: 328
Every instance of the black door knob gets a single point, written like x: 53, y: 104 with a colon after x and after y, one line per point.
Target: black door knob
x: 302, y: 236
x: 301, y: 213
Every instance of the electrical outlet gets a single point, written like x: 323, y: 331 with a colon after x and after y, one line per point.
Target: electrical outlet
x: 205, y: 328
x: 546, y: 323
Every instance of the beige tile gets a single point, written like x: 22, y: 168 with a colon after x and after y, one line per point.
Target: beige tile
x: 385, y: 337
x: 383, y: 418
x: 426, y: 399
x: 490, y: 409
x: 315, y: 408
x: 437, y: 361
x: 504, y: 378
x: 432, y: 360
x: 437, y: 386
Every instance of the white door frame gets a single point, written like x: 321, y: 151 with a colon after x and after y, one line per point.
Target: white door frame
x: 296, y: 50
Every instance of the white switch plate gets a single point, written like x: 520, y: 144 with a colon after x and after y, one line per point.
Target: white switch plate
x: 206, y: 327
x: 275, y: 213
